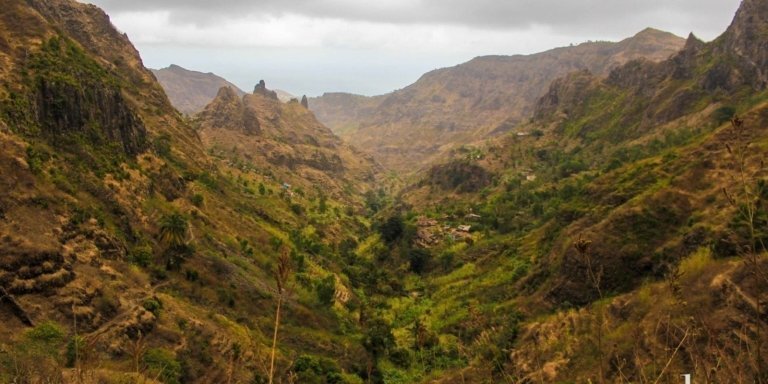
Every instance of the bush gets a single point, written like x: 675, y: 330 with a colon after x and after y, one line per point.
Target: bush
x: 176, y: 256
x: 392, y: 229
x: 47, y: 333
x: 723, y: 114
x: 326, y: 290
x: 378, y: 338
x: 74, y: 350
x: 317, y: 370
x: 419, y: 259
x: 163, y: 364
x: 141, y: 256
x: 162, y: 146
x: 197, y: 200
x: 153, y: 305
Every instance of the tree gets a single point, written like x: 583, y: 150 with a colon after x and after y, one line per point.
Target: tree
x: 378, y: 337
x: 174, y: 232
x: 392, y: 229
x: 377, y: 340
x: 174, y: 229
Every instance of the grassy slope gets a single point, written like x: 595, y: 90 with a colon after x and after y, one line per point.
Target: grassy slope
x: 638, y: 168
x: 74, y: 200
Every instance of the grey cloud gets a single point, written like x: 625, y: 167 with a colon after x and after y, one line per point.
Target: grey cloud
x: 493, y: 14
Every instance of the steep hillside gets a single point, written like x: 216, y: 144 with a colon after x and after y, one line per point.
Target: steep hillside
x: 485, y: 96
x: 267, y: 134
x: 617, y: 237
x: 128, y: 254
x: 191, y: 91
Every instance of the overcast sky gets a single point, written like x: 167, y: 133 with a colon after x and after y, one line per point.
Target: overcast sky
x: 373, y: 47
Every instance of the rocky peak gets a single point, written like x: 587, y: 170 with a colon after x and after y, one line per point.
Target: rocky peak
x: 652, y: 33
x: 683, y: 64
x: 227, y: 94
x: 261, y: 89
x: 228, y: 111
x: 693, y: 43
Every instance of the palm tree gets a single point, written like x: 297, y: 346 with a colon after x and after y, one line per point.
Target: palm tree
x: 173, y: 230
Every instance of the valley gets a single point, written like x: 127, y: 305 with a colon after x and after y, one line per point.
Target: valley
x: 589, y: 214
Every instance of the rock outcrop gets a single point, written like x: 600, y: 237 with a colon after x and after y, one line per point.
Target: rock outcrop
x: 227, y: 111
x: 747, y: 39
x: 261, y: 89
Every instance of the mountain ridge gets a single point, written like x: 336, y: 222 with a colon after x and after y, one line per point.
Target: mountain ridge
x: 466, y: 103
x: 190, y: 91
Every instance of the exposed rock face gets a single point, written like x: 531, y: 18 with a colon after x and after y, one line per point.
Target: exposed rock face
x: 747, y: 39
x: 305, y: 102
x: 736, y: 60
x: 283, y: 137
x: 62, y: 108
x: 261, y: 89
x: 191, y: 91
x: 685, y: 61
x: 227, y: 111
x: 566, y: 91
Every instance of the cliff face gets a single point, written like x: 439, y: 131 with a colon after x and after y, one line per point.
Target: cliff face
x: 73, y: 78
x: 747, y: 40
x: 88, y: 109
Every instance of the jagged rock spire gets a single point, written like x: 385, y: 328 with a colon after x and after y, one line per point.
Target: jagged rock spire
x: 261, y: 89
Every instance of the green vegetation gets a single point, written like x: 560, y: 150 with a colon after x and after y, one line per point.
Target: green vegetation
x: 162, y: 363
x: 613, y: 243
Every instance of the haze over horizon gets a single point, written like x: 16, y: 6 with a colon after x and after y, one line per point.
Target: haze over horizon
x: 323, y: 46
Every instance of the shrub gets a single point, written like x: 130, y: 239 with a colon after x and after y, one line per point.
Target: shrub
x: 419, y: 259
x: 141, y: 256
x: 317, y: 370
x: 723, y: 114
x: 74, y: 350
x: 392, y: 229
x: 162, y: 146
x: 378, y: 338
x: 153, y: 305
x: 162, y: 363
x: 326, y: 290
x: 197, y: 200
x: 48, y: 333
